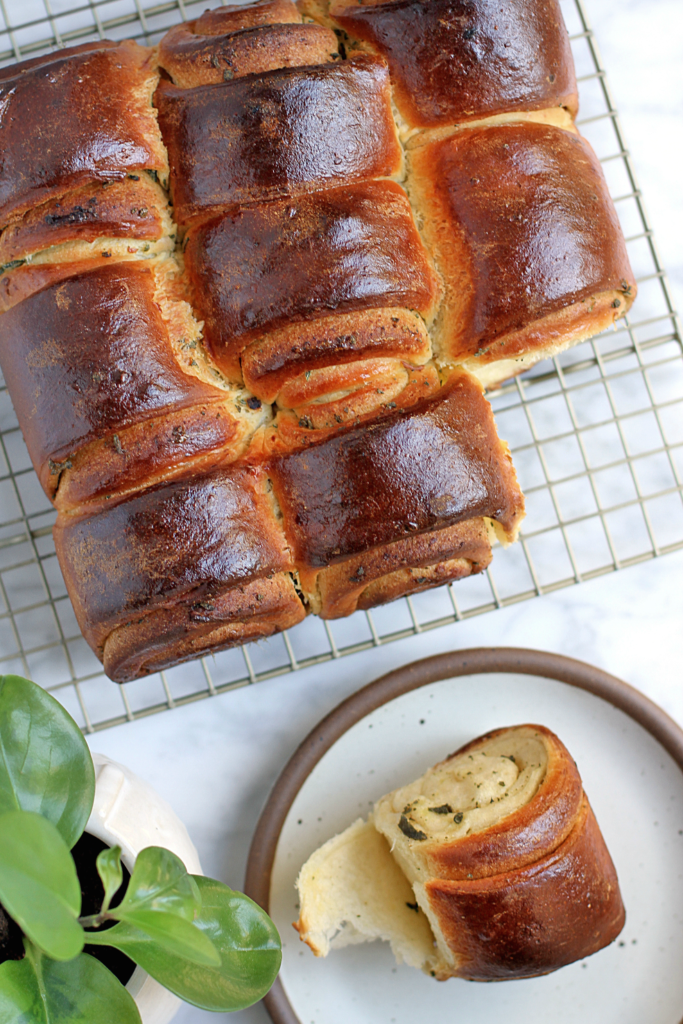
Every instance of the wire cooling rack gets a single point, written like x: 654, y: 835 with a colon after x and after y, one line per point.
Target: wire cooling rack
x: 596, y: 436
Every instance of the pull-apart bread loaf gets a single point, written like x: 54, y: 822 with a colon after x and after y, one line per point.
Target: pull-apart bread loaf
x: 289, y: 244
x: 192, y: 565
x: 211, y: 559
x: 489, y: 867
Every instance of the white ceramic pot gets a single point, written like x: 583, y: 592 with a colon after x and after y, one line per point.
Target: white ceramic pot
x: 128, y: 813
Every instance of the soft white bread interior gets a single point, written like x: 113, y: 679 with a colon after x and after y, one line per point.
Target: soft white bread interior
x: 461, y: 796
x: 352, y: 890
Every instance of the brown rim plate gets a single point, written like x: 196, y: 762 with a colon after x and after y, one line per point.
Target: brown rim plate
x: 475, y: 662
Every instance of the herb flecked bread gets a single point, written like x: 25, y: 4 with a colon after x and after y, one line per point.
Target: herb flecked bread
x: 252, y: 284
x: 489, y: 867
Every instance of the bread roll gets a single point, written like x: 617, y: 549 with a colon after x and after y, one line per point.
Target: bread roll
x: 526, y: 238
x: 134, y: 209
x: 211, y: 50
x: 288, y: 261
x: 103, y: 402
x: 502, y: 853
x: 369, y: 390
x: 283, y: 133
x: 454, y: 61
x: 414, y: 471
x: 90, y: 140
x: 277, y: 362
x: 191, y: 628
x: 193, y: 565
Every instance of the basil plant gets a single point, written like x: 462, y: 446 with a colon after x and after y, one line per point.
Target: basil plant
x: 211, y: 946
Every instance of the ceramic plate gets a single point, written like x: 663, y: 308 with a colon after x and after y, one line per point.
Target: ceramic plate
x: 630, y: 755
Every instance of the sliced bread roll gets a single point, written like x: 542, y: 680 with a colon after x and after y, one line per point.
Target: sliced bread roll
x: 502, y: 855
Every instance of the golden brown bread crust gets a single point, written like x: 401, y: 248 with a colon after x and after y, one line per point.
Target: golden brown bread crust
x: 10, y: 71
x: 343, y: 249
x: 237, y: 615
x: 283, y: 133
x: 405, y: 567
x: 526, y: 922
x: 283, y: 355
x: 549, y: 336
x: 179, y: 442
x: 455, y: 60
x: 133, y: 208
x: 89, y: 356
x: 193, y: 59
x: 186, y: 541
x: 417, y: 470
x: 21, y: 283
x: 521, y: 226
x: 236, y: 17
x: 536, y: 829
x: 347, y: 393
x: 414, y: 580
x: 96, y: 117
x: 375, y: 389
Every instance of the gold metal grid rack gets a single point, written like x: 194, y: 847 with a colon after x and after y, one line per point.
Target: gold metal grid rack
x: 596, y: 437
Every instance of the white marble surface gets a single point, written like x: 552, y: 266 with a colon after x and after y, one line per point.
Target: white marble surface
x: 216, y: 761
x: 640, y: 42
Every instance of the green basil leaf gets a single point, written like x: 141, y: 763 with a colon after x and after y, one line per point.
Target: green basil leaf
x: 110, y: 870
x: 165, y: 931
x: 37, y: 990
x: 45, y: 764
x: 247, y: 942
x: 159, y: 882
x: 39, y: 886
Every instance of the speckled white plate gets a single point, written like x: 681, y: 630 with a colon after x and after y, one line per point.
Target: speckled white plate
x: 630, y: 755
